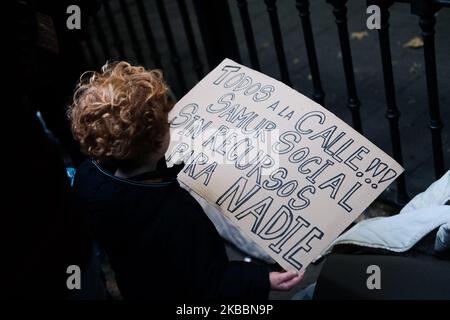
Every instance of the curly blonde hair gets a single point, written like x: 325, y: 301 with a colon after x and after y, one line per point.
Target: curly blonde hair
x: 121, y: 112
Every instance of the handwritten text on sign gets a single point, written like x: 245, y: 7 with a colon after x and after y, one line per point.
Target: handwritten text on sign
x: 286, y: 171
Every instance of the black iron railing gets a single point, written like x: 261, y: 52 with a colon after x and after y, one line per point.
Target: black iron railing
x: 303, y: 11
x: 392, y: 112
x: 173, y: 51
x: 248, y: 31
x: 424, y: 9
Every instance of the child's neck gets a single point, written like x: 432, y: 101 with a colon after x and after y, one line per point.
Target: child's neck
x: 149, y: 165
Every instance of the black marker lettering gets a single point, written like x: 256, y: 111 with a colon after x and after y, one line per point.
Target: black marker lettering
x: 258, y: 211
x: 304, y: 245
x: 356, y: 155
x: 300, y: 222
x: 237, y: 188
x: 317, y: 114
x: 300, y: 195
x: 228, y: 70
x: 334, y: 183
x: 343, y: 201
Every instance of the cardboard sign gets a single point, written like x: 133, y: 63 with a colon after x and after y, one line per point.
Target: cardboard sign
x: 287, y: 172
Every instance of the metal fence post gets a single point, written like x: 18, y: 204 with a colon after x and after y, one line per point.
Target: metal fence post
x: 426, y: 11
x: 392, y: 111
x: 216, y: 28
x: 353, y: 103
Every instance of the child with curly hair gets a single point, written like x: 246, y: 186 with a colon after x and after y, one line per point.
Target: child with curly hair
x: 160, y: 243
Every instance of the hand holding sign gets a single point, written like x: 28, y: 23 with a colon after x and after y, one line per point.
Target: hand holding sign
x: 283, y: 281
x: 287, y: 172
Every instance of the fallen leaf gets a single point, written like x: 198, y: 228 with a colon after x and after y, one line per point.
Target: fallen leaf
x: 414, y: 43
x: 359, y: 35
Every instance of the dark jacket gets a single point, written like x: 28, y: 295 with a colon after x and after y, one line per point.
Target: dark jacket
x: 160, y: 243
